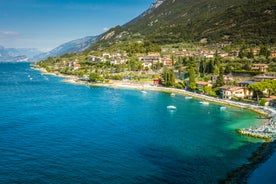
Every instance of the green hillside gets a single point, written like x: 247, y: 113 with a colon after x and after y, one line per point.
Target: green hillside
x: 235, y: 21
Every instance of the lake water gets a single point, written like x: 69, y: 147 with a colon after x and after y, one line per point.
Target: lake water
x: 54, y: 132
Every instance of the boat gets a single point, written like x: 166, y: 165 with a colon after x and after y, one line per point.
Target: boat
x: 204, y: 103
x: 171, y: 107
x: 222, y: 108
x: 188, y: 97
x: 172, y: 94
x: 144, y: 92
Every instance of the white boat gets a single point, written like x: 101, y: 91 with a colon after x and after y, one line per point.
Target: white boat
x: 204, y: 103
x: 171, y: 107
x: 144, y: 92
x: 188, y: 97
x: 222, y: 108
x: 172, y: 94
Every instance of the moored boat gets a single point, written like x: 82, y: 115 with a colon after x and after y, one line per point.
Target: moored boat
x: 171, y: 107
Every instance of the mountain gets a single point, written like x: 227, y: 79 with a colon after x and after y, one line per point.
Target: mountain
x: 75, y: 46
x: 152, y: 7
x: 211, y: 21
x: 29, y: 52
x: 11, y: 55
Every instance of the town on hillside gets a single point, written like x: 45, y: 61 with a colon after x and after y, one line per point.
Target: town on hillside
x: 244, y: 74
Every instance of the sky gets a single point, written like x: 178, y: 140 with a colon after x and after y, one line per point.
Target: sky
x: 46, y: 24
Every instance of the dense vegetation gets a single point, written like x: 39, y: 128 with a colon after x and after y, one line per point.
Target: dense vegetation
x: 176, y: 21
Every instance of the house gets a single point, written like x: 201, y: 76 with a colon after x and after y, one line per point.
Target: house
x: 234, y: 53
x: 76, y: 66
x: 256, y: 51
x: 201, y: 84
x: 117, y: 61
x: 167, y: 61
x: 184, y: 53
x: 156, y: 81
x: 271, y: 100
x: 207, y: 55
x: 228, y: 78
x: 223, y: 55
x: 106, y: 55
x: 261, y: 78
x: 228, y: 92
x: 153, y: 57
x: 140, y: 56
x: 114, y: 62
x: 245, y: 83
x: 273, y: 53
x: 147, y: 64
x: 94, y: 59
x: 259, y: 67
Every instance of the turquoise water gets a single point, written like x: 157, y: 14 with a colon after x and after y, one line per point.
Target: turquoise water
x: 54, y: 132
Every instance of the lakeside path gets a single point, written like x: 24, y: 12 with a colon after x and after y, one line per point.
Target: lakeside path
x: 266, y: 131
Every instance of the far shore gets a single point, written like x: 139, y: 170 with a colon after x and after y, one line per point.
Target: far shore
x: 126, y: 84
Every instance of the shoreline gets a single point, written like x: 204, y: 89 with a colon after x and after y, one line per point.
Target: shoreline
x: 258, y: 132
x: 241, y: 174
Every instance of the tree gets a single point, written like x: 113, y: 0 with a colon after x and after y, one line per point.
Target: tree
x: 241, y: 53
x: 209, y: 91
x: 250, y: 54
x: 202, y: 66
x: 192, y: 83
x: 270, y: 85
x: 168, y: 77
x: 220, y: 80
x: 211, y: 66
x: 228, y: 69
x: 93, y: 77
x: 264, y: 51
x: 258, y: 88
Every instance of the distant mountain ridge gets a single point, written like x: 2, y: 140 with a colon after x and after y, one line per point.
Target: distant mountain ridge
x: 75, y: 46
x: 17, y: 54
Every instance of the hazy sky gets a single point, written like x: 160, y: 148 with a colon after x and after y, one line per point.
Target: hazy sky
x: 45, y: 24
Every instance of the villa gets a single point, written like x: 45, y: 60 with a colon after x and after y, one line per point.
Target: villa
x: 76, y: 66
x: 228, y: 92
x: 259, y: 67
x: 153, y: 57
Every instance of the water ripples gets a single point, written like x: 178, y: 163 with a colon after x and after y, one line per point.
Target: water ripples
x: 54, y: 132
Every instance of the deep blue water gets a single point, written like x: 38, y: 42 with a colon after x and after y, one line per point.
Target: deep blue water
x: 54, y: 132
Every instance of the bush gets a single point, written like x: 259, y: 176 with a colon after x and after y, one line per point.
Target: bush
x: 179, y: 85
x: 262, y: 102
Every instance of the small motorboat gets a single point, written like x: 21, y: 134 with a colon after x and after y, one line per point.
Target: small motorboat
x: 204, y: 103
x: 171, y: 107
x: 172, y: 94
